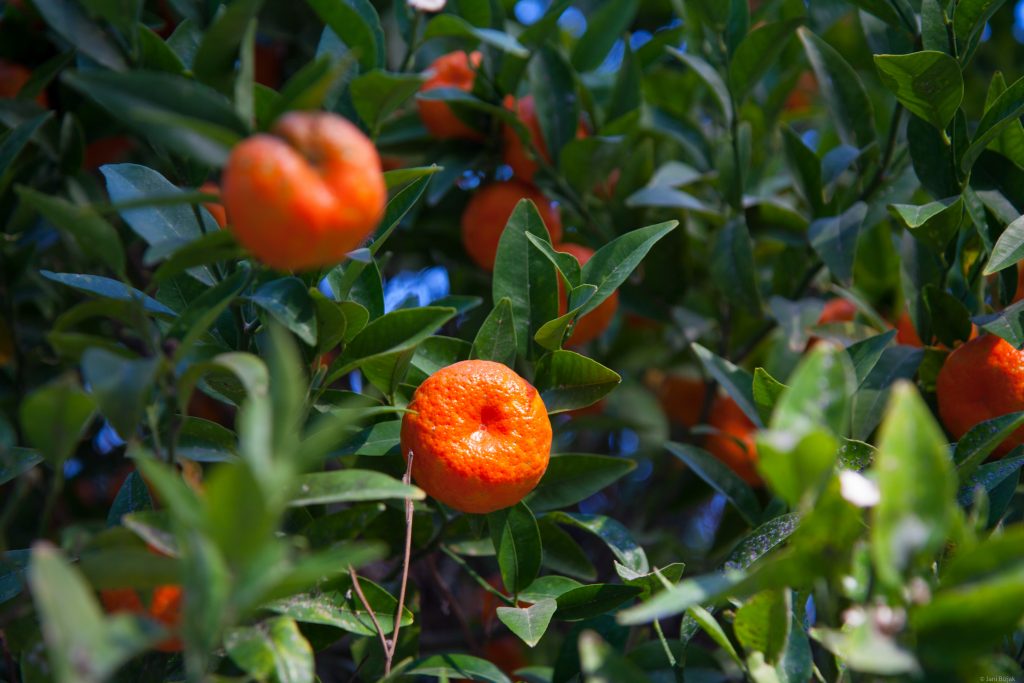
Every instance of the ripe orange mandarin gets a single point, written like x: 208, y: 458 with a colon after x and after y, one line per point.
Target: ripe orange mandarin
x: 733, y: 444
x: 480, y: 436
x: 516, y: 154
x: 593, y: 324
x: 164, y: 607
x: 453, y: 70
x: 307, y: 195
x: 981, y: 380
x: 682, y: 398
x: 13, y: 78
x: 837, y: 310
x: 486, y: 214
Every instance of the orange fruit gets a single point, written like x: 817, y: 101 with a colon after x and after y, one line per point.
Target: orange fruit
x: 480, y: 436
x: 682, y: 398
x: 906, y: 333
x: 164, y: 607
x: 13, y: 78
x: 216, y: 209
x: 803, y: 93
x: 108, y: 150
x: 981, y: 380
x: 733, y: 443
x: 486, y: 214
x: 593, y: 324
x: 307, y: 195
x: 453, y: 70
x: 837, y: 310
x: 516, y: 155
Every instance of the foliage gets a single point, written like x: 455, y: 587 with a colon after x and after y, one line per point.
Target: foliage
x: 173, y: 412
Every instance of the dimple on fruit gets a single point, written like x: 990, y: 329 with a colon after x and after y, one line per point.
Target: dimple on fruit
x: 479, y: 434
x: 981, y: 380
x: 593, y: 324
x: 486, y: 214
x: 453, y: 70
x: 307, y: 195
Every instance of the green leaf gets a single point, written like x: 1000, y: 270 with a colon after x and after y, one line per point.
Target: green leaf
x: 757, y: 52
x: 357, y: 24
x: 13, y: 564
x: 448, y: 667
x: 604, y: 26
x: 600, y: 660
x: 218, y: 51
x: 393, y: 333
x: 818, y: 393
x: 573, y: 477
x: 805, y: 166
x: 54, y: 418
x: 969, y: 18
x: 680, y: 598
x: 613, y: 533
x: 610, y: 265
x: 196, y: 320
x: 213, y: 247
x: 706, y: 620
x: 732, y: 266
x: 1005, y: 111
x: 555, y: 101
x: 934, y: 223
x: 736, y: 381
x: 496, y: 338
x: 95, y: 237
x: 275, y: 648
x: 156, y: 55
x: 652, y: 582
x: 590, y: 601
x: 524, y: 275
x: 531, y: 622
x: 133, y: 496
x: 567, y: 381
x: 762, y: 623
x: 865, y: 648
x: 121, y: 387
x: 344, y: 609
x: 16, y: 461
x: 928, y: 84
x: 843, y: 91
x: 916, y: 481
x: 18, y: 138
x: 761, y: 541
x: 517, y: 544
x: 289, y: 302
x: 176, y: 112
x: 108, y: 289
x: 866, y: 353
x: 896, y: 13
x: 378, y: 93
x: 895, y: 363
x: 70, y: 21
x: 718, y: 476
x: 446, y: 25
x: 766, y: 391
x: 547, y: 587
x: 982, y: 439
x: 834, y: 239
x: 163, y: 226
x: 83, y: 647
x: 1009, y: 248
x: 563, y: 554
x: 346, y: 486
x: 990, y: 476
x: 707, y: 73
x: 315, y: 86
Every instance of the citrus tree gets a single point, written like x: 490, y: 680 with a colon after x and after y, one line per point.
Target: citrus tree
x: 486, y: 340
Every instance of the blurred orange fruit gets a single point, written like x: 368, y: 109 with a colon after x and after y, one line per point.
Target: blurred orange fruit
x: 733, y: 443
x: 216, y: 209
x: 164, y: 607
x: 516, y: 155
x: 453, y: 70
x: 307, y: 195
x: 480, y: 436
x: 485, y: 216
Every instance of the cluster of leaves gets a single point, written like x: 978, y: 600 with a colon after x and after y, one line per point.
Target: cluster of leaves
x: 876, y: 547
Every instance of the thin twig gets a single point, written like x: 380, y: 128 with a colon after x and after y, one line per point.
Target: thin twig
x: 369, y: 610
x: 407, y: 480
x: 481, y: 581
x: 453, y: 604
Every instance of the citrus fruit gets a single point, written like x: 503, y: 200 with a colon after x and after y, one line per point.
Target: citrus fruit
x: 681, y: 397
x: 837, y: 310
x: 981, y: 380
x: 13, y: 78
x: 733, y: 443
x: 593, y: 324
x: 164, y: 607
x: 486, y: 214
x: 480, y: 436
x: 307, y: 195
x: 906, y: 333
x: 516, y: 155
x: 453, y: 70
x: 216, y: 209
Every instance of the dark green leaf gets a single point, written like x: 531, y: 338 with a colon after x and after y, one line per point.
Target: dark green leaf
x: 567, y: 381
x: 54, y: 418
x: 756, y: 53
x: 843, y: 90
x: 346, y: 486
x: 531, y: 622
x: 517, y: 544
x: 573, y: 477
x: 606, y: 25
x: 927, y: 83
x: 590, y: 601
x: 121, y: 387
x: 496, y: 338
x: 357, y: 23
x: 718, y: 476
x: 289, y: 302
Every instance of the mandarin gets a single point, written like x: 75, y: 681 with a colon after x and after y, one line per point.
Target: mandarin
x: 486, y: 214
x: 307, y: 195
x: 516, y: 155
x: 164, y: 607
x: 981, y: 380
x: 216, y: 208
x: 733, y: 443
x: 479, y: 435
x: 453, y: 70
